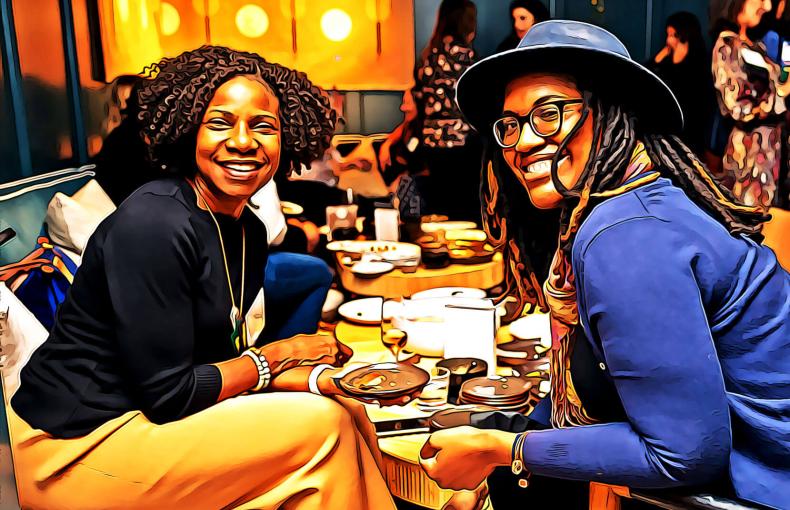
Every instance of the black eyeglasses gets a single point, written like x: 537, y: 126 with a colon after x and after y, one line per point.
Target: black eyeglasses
x: 545, y: 120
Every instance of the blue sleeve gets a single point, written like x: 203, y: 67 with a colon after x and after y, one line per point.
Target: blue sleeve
x: 642, y: 305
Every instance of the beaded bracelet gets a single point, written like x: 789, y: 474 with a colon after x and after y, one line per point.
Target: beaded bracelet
x: 264, y: 373
x: 517, y: 465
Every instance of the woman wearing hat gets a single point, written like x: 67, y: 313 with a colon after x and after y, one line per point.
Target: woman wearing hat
x: 658, y: 284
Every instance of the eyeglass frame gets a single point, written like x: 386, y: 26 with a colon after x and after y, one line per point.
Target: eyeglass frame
x: 523, y: 119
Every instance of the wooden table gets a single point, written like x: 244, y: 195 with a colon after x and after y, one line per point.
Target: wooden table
x: 397, y: 284
x: 402, y: 471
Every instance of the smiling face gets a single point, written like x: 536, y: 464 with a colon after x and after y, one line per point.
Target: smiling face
x: 238, y: 142
x: 530, y: 158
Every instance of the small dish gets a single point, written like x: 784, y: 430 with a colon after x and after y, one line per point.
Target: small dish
x: 533, y: 326
x: 442, y: 292
x: 466, y: 235
x: 290, y: 208
x: 362, y: 311
x: 372, y: 268
x: 447, y: 225
x: 384, y: 380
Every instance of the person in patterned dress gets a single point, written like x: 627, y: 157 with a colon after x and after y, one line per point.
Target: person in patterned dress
x: 449, y: 148
x: 749, y: 92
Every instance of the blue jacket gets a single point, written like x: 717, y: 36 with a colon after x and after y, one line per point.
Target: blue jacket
x: 692, y: 325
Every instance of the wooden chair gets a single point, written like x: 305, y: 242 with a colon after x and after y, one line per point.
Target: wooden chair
x: 608, y: 497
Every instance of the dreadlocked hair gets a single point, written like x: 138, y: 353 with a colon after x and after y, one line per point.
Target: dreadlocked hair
x: 172, y: 104
x: 525, y: 235
x: 616, y: 136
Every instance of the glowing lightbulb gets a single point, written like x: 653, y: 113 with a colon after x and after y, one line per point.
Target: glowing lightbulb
x: 170, y: 20
x: 336, y: 24
x: 252, y: 21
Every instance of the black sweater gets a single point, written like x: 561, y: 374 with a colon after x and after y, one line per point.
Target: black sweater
x: 148, y: 312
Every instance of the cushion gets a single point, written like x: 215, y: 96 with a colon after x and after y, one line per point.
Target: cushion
x: 265, y: 204
x: 72, y: 220
x: 20, y: 335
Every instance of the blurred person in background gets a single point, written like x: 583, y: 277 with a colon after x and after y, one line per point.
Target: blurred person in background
x: 450, y: 149
x: 683, y: 65
x: 525, y: 13
x: 751, y: 94
x: 776, y: 40
x: 401, y: 164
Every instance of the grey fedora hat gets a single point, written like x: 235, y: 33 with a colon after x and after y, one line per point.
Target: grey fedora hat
x: 595, y: 58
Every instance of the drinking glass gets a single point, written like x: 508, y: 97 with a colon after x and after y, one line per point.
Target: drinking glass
x: 434, y: 394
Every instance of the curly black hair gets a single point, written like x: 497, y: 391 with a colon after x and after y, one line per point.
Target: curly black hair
x: 172, y: 105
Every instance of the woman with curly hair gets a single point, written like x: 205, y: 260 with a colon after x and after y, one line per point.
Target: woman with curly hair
x: 670, y: 322
x: 149, y: 392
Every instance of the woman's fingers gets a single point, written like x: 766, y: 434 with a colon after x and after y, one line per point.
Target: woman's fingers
x: 429, y: 450
x: 346, y: 350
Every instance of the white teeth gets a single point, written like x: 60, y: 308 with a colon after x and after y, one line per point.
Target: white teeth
x: 540, y: 166
x: 241, y: 167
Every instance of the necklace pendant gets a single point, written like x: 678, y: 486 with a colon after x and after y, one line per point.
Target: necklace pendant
x: 235, y: 315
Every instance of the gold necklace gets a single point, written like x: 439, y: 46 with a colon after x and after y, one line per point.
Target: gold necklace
x: 237, y: 336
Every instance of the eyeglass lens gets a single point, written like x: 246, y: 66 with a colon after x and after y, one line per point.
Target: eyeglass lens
x: 544, y: 120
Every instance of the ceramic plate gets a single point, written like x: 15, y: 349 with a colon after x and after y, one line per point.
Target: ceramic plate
x: 362, y: 311
x: 532, y: 326
x: 447, y: 225
x: 442, y: 292
x: 291, y: 209
x: 471, y: 234
x: 371, y: 269
x: 388, y: 380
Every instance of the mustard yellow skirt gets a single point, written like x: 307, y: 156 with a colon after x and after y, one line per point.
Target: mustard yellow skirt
x: 267, y: 451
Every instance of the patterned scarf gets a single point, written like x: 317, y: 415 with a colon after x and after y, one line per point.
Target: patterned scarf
x: 560, y: 292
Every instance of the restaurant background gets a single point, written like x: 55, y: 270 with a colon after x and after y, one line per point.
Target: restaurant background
x: 58, y: 55
x: 54, y: 61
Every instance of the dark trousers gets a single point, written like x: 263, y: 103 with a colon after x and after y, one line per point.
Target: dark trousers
x: 453, y: 185
x: 295, y: 288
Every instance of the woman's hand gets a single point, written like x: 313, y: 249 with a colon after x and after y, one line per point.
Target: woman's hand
x: 385, y: 155
x: 664, y: 53
x: 461, y: 458
x: 305, y: 350
x: 468, y: 500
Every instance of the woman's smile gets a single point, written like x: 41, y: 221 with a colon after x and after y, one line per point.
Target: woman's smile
x: 241, y: 169
x: 539, y: 169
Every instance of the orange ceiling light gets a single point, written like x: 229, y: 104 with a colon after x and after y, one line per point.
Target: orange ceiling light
x: 336, y: 24
x: 170, y: 20
x: 252, y: 21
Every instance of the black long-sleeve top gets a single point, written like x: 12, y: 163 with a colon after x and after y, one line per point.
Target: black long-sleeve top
x: 147, y: 315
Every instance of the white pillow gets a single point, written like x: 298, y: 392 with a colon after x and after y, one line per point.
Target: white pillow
x: 72, y: 220
x: 20, y: 335
x: 266, y: 206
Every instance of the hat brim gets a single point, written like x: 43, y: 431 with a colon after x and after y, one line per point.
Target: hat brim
x: 480, y: 90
